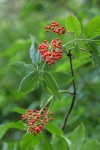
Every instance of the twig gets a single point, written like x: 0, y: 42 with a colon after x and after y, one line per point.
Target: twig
x: 74, y: 90
x: 48, y: 101
x: 65, y: 91
x: 70, y: 42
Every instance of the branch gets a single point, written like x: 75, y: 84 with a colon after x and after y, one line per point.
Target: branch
x: 74, y: 91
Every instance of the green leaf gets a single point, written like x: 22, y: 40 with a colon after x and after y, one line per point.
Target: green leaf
x: 59, y: 143
x: 27, y: 10
x: 51, y: 83
x: 63, y: 144
x: 62, y: 78
x: 45, y: 142
x: 22, y: 68
x: 92, y: 29
x: 5, y: 127
x: 91, y: 145
x: 77, y: 138
x: 54, y: 129
x: 34, y: 54
x: 3, y: 130
x: 73, y: 25
x: 29, y: 82
x: 45, y: 97
x: 95, y: 54
x: 16, y: 125
x: 28, y: 141
x: 77, y: 51
x: 20, y: 44
x: 19, y: 110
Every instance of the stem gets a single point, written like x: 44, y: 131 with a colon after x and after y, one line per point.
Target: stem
x: 70, y: 42
x: 37, y: 67
x: 74, y: 91
x: 82, y: 49
x: 43, y: 66
x: 65, y: 91
x: 50, y: 98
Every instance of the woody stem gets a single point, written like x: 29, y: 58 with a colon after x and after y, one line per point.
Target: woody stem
x: 74, y: 90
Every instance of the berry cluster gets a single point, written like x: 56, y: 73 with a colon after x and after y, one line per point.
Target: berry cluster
x: 51, y: 52
x: 35, y: 120
x: 55, y: 27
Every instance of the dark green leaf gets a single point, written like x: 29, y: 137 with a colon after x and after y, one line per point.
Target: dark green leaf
x: 16, y: 125
x: 51, y: 83
x: 77, y: 137
x: 92, y: 29
x: 73, y: 25
x: 45, y: 94
x: 29, y: 82
x: 95, y: 54
x: 54, y: 129
x: 4, y: 128
x: 91, y: 145
x: 22, y: 68
x: 62, y: 78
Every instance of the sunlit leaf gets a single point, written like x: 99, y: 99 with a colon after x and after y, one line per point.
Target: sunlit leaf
x: 54, y: 129
x: 77, y: 138
x: 91, y: 145
x: 45, y: 142
x: 28, y: 141
x: 92, y: 29
x: 73, y: 25
x: 59, y: 143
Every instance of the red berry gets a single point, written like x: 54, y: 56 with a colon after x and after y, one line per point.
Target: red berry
x: 63, y: 31
x: 46, y: 108
x: 51, y: 119
x: 51, y: 113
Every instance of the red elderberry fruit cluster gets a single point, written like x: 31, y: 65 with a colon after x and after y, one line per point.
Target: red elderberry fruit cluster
x: 35, y: 120
x: 55, y: 27
x: 51, y: 52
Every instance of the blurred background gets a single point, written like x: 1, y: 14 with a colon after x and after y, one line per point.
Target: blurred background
x: 19, y: 19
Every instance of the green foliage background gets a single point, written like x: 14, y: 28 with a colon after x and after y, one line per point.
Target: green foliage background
x: 19, y: 19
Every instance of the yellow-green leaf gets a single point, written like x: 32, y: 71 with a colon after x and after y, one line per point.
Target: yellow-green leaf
x: 92, y: 29
x: 73, y: 25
